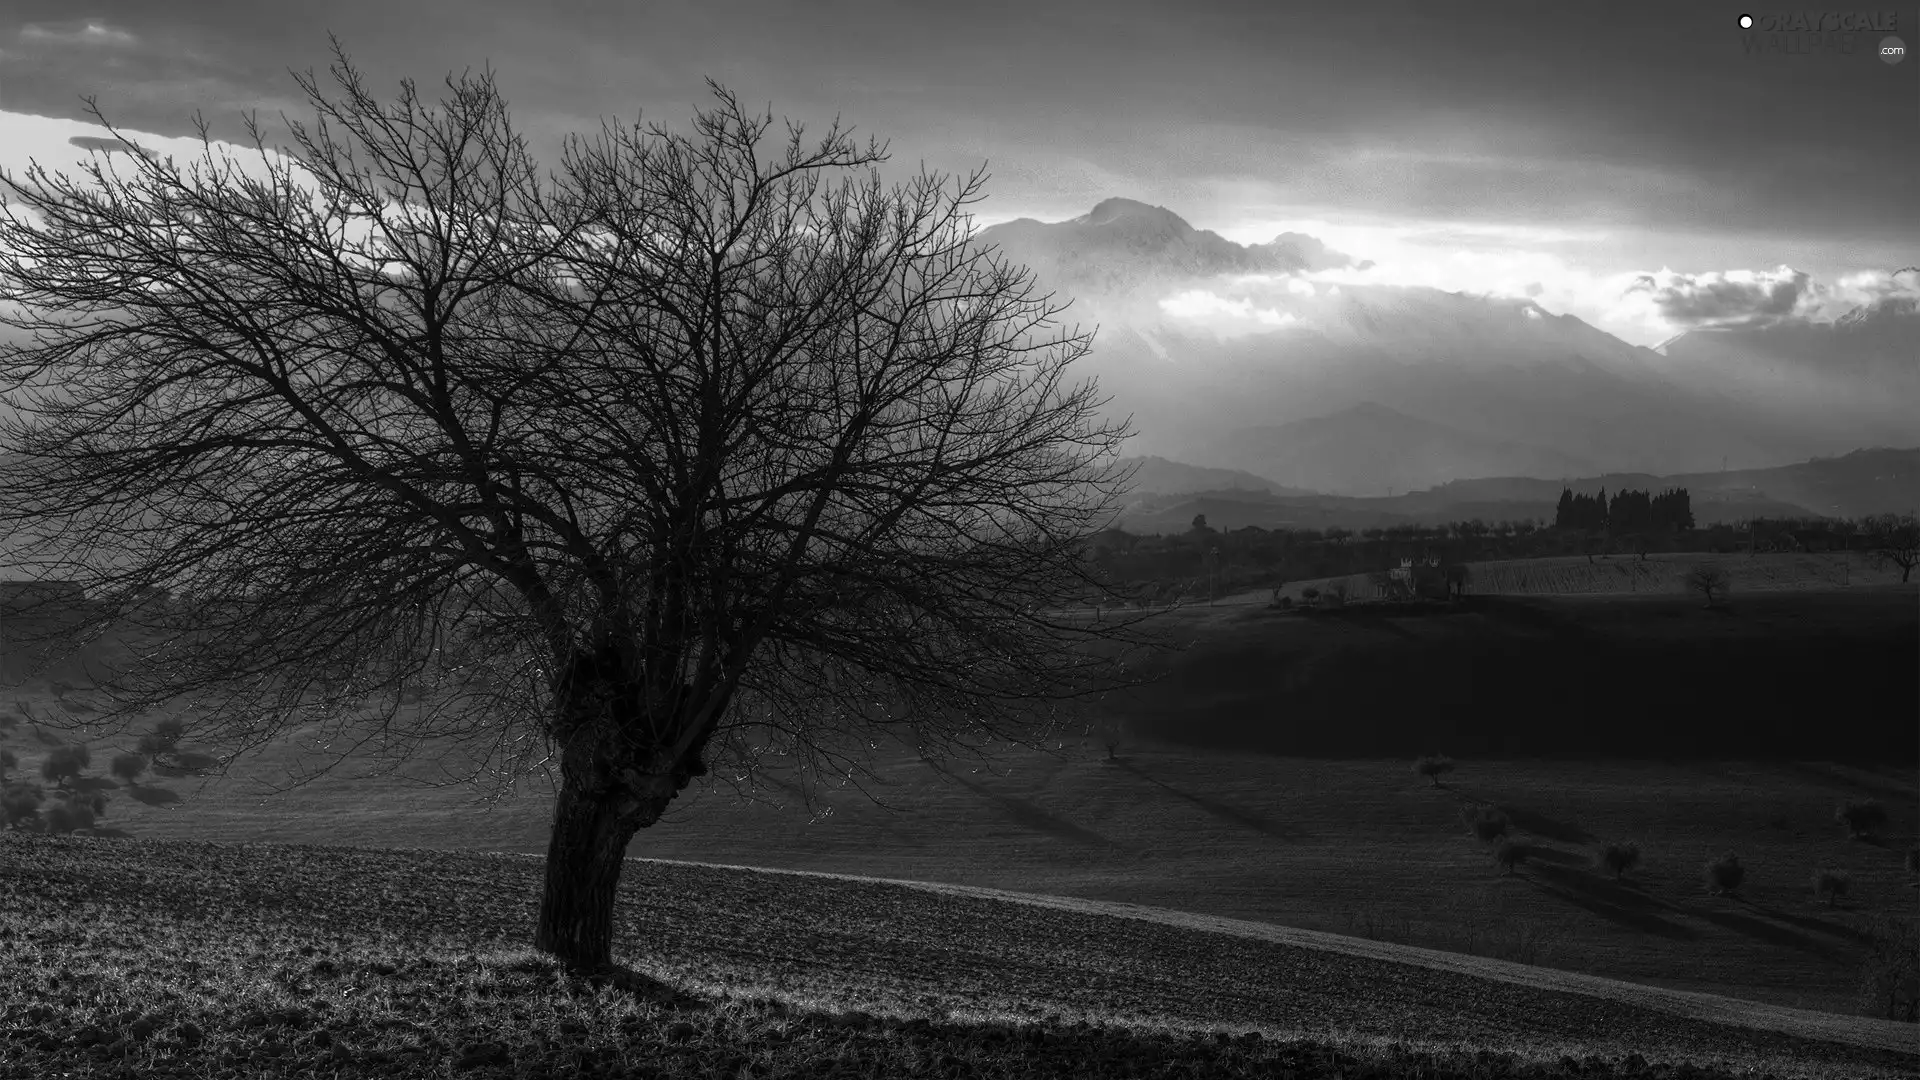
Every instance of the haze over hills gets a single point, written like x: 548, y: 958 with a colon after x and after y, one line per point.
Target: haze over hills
x: 1199, y: 337
x: 1373, y: 447
x: 1853, y: 485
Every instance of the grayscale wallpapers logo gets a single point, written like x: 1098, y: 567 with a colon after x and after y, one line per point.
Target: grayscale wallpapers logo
x: 1804, y: 33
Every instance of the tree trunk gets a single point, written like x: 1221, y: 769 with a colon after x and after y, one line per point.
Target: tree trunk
x: 585, y: 854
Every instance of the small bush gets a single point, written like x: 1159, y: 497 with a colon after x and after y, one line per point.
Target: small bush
x: 1433, y: 767
x: 164, y: 740
x: 1862, y: 818
x: 129, y: 767
x: 20, y: 804
x: 1489, y: 824
x: 1511, y: 853
x: 1617, y: 859
x: 1830, y: 885
x: 1309, y: 594
x: 66, y: 763
x: 1890, y: 976
x: 67, y: 815
x: 1724, y: 874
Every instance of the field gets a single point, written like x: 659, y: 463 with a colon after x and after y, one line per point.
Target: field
x: 1658, y: 573
x: 1267, y: 778
x: 132, y: 959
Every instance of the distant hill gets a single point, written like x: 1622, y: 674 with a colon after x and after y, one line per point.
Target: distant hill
x: 1853, y: 485
x: 1374, y: 450
x: 1160, y: 476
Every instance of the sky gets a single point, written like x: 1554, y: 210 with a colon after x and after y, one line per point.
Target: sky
x: 1648, y: 167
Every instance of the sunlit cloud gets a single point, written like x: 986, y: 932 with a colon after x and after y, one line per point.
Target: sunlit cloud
x: 86, y: 33
x: 1225, y: 315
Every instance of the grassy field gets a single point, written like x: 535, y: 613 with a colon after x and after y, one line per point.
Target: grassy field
x: 1267, y: 778
x: 1660, y: 573
x: 152, y: 959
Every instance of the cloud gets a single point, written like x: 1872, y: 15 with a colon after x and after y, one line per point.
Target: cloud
x: 109, y: 146
x: 1226, y: 316
x: 1756, y: 299
x: 1730, y: 299
x: 91, y: 34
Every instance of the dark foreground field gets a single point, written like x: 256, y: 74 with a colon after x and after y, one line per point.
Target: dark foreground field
x: 160, y: 959
x: 1195, y: 821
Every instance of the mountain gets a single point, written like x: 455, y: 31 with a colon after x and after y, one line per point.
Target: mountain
x: 1159, y: 476
x: 1374, y: 450
x: 1853, y: 485
x: 1199, y: 336
x: 1121, y: 245
x: 1861, y: 370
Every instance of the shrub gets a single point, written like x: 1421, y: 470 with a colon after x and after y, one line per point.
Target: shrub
x: 1724, y: 874
x: 1511, y: 853
x: 20, y: 804
x: 164, y: 739
x: 128, y: 767
x: 1489, y: 824
x: 1618, y: 858
x: 1709, y: 581
x: 1862, y: 818
x: 66, y: 763
x: 1830, y: 885
x: 1433, y: 766
x: 1890, y: 976
x: 67, y: 815
x: 1309, y: 594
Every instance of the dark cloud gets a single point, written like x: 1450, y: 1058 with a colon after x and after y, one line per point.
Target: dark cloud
x: 1635, y: 114
x: 109, y: 146
x: 1738, y: 300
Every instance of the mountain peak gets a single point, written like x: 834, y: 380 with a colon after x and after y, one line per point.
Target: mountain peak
x: 1108, y: 211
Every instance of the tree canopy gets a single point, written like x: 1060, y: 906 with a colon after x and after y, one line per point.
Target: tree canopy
x: 684, y: 455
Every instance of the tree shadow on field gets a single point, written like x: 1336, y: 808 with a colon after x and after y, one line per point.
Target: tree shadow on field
x: 1827, y: 775
x: 153, y: 794
x: 1031, y: 817
x: 1818, y: 925
x: 1233, y: 815
x: 1541, y: 825
x: 1555, y: 856
x: 622, y: 978
x: 185, y: 763
x: 1761, y: 930
x: 1610, y: 900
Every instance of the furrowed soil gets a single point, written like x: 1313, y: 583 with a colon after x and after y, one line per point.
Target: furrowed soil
x: 174, y: 959
x: 1267, y: 778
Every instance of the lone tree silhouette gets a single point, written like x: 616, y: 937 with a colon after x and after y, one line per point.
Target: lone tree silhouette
x: 1709, y: 581
x: 683, y: 455
x: 1894, y: 540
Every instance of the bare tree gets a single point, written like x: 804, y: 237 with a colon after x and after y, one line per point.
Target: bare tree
x: 1894, y: 539
x: 682, y: 458
x: 1709, y: 581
